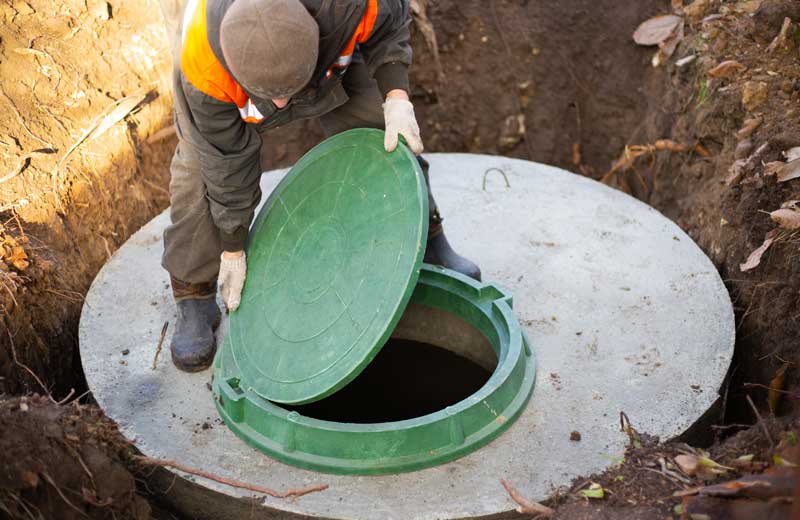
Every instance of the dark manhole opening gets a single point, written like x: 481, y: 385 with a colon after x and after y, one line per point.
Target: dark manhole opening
x: 406, y: 379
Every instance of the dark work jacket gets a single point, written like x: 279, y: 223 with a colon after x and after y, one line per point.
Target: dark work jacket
x: 218, y: 121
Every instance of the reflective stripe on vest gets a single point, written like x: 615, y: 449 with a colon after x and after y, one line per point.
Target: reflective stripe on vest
x: 361, y: 34
x: 250, y: 113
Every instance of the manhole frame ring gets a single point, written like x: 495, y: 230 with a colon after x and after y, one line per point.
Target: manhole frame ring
x: 391, y: 447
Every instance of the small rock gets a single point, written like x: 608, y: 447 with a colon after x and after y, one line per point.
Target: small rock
x: 206, y: 426
x: 126, y: 352
x: 788, y: 86
x: 512, y: 132
x: 754, y: 94
x: 575, y: 436
x: 23, y: 407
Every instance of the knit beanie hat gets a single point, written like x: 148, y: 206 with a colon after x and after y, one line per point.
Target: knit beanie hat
x: 270, y: 46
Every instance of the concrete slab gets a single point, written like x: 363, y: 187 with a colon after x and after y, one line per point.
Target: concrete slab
x: 623, y: 309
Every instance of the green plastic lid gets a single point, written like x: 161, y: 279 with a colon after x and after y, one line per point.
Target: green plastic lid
x: 333, y: 258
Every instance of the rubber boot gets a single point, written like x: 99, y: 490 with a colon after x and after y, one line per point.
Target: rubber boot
x: 193, y: 343
x: 439, y: 251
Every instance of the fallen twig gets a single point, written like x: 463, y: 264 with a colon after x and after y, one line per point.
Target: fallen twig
x: 147, y: 461
x: 58, y: 490
x: 669, y: 476
x: 633, y: 152
x: 27, y: 368
x: 760, y: 421
x: 526, y: 507
x: 160, y: 342
x: 771, y: 389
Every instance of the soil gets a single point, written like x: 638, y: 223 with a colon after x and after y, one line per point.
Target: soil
x: 559, y: 82
x: 76, y: 468
x: 69, y: 216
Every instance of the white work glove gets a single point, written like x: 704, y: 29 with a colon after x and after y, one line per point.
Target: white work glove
x: 400, y: 120
x: 232, y: 272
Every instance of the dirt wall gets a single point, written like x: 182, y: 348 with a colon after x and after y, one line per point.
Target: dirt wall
x: 68, y: 197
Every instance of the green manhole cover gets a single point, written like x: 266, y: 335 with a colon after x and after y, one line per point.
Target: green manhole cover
x: 333, y: 258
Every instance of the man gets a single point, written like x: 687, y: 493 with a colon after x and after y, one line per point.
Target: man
x: 245, y: 66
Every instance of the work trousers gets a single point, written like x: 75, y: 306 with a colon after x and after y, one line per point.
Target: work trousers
x: 192, y: 245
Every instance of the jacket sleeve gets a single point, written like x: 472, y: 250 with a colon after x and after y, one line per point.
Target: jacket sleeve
x: 387, y: 50
x: 229, y: 152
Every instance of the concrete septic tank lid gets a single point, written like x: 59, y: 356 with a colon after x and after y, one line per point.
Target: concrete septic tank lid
x: 623, y: 310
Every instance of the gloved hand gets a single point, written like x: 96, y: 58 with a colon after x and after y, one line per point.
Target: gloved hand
x: 232, y: 272
x: 400, y: 120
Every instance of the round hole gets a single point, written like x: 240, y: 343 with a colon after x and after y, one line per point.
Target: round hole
x: 406, y: 379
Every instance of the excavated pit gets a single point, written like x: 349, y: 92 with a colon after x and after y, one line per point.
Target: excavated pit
x: 621, y: 308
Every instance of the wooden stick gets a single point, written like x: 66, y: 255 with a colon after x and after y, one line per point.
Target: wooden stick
x: 526, y: 507
x: 765, y: 387
x: 27, y: 368
x: 760, y: 421
x: 160, y: 342
x: 147, y: 461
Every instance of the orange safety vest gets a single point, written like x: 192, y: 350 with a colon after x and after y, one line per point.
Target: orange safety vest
x: 204, y: 71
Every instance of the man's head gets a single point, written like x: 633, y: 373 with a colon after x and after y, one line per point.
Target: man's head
x: 270, y: 46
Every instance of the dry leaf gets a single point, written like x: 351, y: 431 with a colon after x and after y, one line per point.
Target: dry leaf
x: 726, y: 69
x: 595, y: 491
x: 786, y: 218
x: 749, y: 127
x: 773, y: 167
x: 735, y: 172
x: 791, y: 204
x: 776, y: 387
x: 792, y: 154
x: 669, y: 45
x: 657, y: 29
x: 18, y: 258
x: 755, y: 257
x: 689, y: 464
x: 789, y: 171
